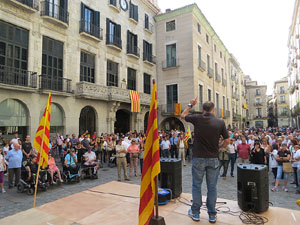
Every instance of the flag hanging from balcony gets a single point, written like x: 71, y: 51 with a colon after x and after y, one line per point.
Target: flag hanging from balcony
x: 222, y: 113
x: 187, y: 135
x: 135, y: 101
x: 41, y: 139
x: 177, y: 109
x: 151, y: 167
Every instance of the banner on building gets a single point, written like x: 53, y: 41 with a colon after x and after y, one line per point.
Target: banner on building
x: 177, y: 109
x: 135, y: 101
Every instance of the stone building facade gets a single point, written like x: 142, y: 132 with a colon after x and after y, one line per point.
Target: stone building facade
x: 193, y: 61
x: 282, y: 106
x: 87, y: 53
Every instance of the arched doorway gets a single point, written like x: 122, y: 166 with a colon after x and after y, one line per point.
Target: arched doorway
x: 87, y: 120
x: 122, y: 124
x: 146, y: 121
x: 13, y: 119
x: 172, y: 123
x: 57, y: 119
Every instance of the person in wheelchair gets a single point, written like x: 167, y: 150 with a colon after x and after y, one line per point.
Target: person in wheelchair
x: 90, y: 160
x: 70, y: 164
x: 32, y: 168
x: 52, y: 168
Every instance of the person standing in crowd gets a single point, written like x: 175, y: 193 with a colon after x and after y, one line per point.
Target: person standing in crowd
x: 166, y: 147
x: 243, y: 151
x: 190, y: 147
x: 79, y: 151
x: 223, y: 159
x: 208, y: 130
x: 273, y: 162
x: 182, y: 147
x: 174, y: 149
x: 74, y: 140
x: 232, y: 156
x: 15, y: 140
x: 85, y: 143
x: 142, y: 149
x: 133, y: 151
x: 59, y: 144
x: 2, y: 169
x: 295, y: 164
x: 258, y: 155
x: 121, y: 160
x: 27, y: 148
x: 14, y: 158
x: 283, y: 155
x: 297, y: 160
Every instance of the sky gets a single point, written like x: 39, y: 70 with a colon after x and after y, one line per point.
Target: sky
x: 254, y: 31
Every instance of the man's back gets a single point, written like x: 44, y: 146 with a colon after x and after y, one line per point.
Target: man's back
x: 207, y: 131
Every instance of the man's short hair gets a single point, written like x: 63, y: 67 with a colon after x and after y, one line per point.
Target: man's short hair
x: 208, y: 106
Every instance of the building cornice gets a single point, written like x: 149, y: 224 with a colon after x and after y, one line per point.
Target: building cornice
x: 152, y: 6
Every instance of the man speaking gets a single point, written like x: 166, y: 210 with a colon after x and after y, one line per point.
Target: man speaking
x: 207, y: 129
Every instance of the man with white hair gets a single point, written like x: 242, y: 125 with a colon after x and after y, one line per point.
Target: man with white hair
x: 14, y: 158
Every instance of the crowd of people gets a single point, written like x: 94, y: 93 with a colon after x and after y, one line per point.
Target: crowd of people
x: 277, y: 148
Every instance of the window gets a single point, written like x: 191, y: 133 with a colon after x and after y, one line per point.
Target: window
x: 171, y: 55
x: 221, y: 55
x: 208, y: 62
x: 87, y: 67
x: 215, y: 48
x: 146, y: 21
x: 132, y: 43
x: 198, y: 28
x: 200, y: 97
x: 282, y: 99
x: 147, y: 51
x: 172, y: 97
x: 113, y: 33
x: 258, y: 112
x: 133, y: 11
x: 199, y: 55
x: 113, y: 2
x: 207, y: 39
x: 216, y: 69
x: 257, y: 91
x: 52, y: 64
x: 224, y: 103
x: 90, y: 21
x: 228, y: 104
x: 257, y: 100
x: 112, y: 74
x: 170, y: 26
x: 209, y: 95
x: 217, y: 104
x: 131, y: 79
x: 147, y: 83
x: 222, y: 73
x: 57, y: 9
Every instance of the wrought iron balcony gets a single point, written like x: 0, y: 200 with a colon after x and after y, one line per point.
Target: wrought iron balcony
x: 282, y: 102
x: 173, y: 62
x: 258, y: 104
x: 91, y: 29
x: 149, y: 27
x: 17, y: 77
x: 210, y: 72
x: 114, y: 41
x: 133, y: 50
x: 55, y: 84
x: 54, y: 11
x: 149, y: 58
x: 202, y: 65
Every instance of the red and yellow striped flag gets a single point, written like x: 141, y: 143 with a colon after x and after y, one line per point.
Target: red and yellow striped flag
x: 151, y: 167
x: 42, y: 135
x: 135, y: 101
x: 188, y: 135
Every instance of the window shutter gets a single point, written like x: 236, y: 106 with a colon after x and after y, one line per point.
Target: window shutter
x: 135, y: 40
x: 146, y: 21
x: 119, y: 35
x: 97, y: 18
x: 128, y: 39
x: 150, y: 50
x: 144, y: 49
x: 136, y: 12
x: 82, y: 11
x: 107, y: 30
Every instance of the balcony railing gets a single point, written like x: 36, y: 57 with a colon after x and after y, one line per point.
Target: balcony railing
x: 210, y: 72
x: 34, y: 4
x: 218, y: 78
x: 258, y: 104
x: 257, y: 93
x: 114, y: 5
x: 89, y: 28
x: 236, y: 117
x: 53, y: 10
x: 202, y: 65
x: 55, y: 84
x: 258, y: 117
x: 149, y: 58
x: 134, y: 50
x: 149, y: 27
x: 114, y: 40
x: 173, y: 62
x: 14, y: 76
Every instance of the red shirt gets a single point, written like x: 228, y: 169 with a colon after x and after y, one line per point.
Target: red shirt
x: 243, y: 151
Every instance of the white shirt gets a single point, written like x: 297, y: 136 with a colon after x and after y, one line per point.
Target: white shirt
x: 297, y: 154
x: 91, y: 156
x: 125, y: 144
x: 14, y: 141
x: 181, y: 144
x: 231, y: 148
x: 165, y: 144
x: 272, y: 159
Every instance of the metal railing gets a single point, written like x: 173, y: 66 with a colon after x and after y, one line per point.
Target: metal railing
x: 113, y: 40
x: 56, y: 84
x: 55, y: 11
x: 131, y: 49
x: 282, y: 102
x: 149, y: 57
x: 18, y: 77
x: 258, y: 116
x: 210, y: 72
x: 92, y: 29
x: 173, y: 62
x: 202, y: 65
x: 31, y: 3
x: 149, y: 27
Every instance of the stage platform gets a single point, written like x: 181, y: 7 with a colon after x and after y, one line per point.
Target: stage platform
x: 109, y: 204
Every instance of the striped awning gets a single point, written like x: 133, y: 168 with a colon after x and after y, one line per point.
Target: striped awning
x: 135, y: 101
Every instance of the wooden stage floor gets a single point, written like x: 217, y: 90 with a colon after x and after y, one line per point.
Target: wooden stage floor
x: 100, y: 206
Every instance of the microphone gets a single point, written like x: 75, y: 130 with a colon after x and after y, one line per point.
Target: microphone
x: 298, y: 202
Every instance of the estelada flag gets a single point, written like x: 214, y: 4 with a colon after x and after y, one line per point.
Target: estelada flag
x: 41, y: 139
x: 188, y: 135
x: 151, y: 167
x: 177, y: 109
x: 135, y: 101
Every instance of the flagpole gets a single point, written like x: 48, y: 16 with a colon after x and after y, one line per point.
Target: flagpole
x: 156, y: 197
x: 41, y: 151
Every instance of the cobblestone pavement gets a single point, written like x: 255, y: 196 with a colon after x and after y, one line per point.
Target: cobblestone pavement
x: 12, y: 202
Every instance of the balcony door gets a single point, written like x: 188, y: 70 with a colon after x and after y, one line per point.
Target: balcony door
x: 171, y: 55
x: 172, y: 97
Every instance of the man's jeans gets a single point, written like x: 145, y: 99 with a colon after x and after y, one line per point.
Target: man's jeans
x: 210, y: 168
x: 232, y: 158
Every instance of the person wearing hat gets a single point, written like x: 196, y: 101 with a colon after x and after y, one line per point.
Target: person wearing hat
x: 121, y: 159
x: 90, y: 159
x: 133, y: 150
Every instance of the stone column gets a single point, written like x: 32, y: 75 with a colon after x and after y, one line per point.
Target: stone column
x: 112, y: 108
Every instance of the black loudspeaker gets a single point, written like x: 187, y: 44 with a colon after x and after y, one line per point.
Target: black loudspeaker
x: 171, y: 175
x: 253, y: 187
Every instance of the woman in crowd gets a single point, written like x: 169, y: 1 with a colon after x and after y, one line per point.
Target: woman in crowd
x: 2, y: 169
x: 258, y: 155
x: 79, y: 151
x: 295, y: 164
x: 53, y: 168
x: 273, y: 162
x: 111, y: 146
x: 292, y: 150
x: 142, y: 148
x: 223, y: 159
x: 67, y: 148
x: 283, y: 155
x: 133, y: 150
x: 182, y: 147
x: 121, y: 160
